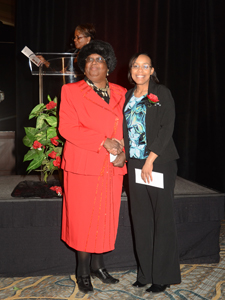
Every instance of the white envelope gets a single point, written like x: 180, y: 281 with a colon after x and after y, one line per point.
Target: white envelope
x: 158, y: 179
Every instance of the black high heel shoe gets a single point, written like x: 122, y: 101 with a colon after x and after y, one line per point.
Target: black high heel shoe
x: 157, y: 288
x: 138, y: 284
x: 84, y: 284
x: 104, y: 276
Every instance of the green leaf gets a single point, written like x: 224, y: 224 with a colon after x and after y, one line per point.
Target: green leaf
x: 36, y: 163
x: 41, y: 137
x: 52, y: 167
x: 49, y: 98
x: 40, y: 121
x: 54, y: 112
x: 55, y: 100
x: 37, y: 109
x: 51, y: 132
x: 27, y: 141
x: 45, y: 177
x: 61, y: 141
x: 45, y: 161
x: 30, y: 131
x: 47, y: 153
x: 58, y: 150
x: 52, y: 121
x: 30, y: 155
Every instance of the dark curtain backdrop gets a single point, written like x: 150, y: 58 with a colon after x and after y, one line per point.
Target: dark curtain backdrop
x: 186, y: 42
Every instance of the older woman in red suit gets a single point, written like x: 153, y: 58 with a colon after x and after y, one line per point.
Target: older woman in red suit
x: 90, y: 119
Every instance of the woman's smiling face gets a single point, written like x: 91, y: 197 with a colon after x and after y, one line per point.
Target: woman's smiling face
x: 141, y: 70
x: 96, y: 71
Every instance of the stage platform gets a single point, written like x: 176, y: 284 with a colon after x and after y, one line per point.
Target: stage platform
x: 30, y: 230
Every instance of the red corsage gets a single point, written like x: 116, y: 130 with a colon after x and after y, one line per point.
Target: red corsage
x: 152, y: 100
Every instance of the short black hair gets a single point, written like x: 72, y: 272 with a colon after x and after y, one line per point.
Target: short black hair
x: 99, y: 47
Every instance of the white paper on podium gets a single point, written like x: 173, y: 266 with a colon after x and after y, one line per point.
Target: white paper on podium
x: 26, y: 51
x: 112, y: 157
x: 158, y: 179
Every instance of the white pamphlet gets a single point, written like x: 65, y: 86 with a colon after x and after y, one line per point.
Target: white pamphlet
x: 112, y: 157
x: 26, y: 51
x: 158, y: 180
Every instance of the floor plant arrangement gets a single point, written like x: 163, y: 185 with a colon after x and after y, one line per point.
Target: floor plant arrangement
x: 44, y: 143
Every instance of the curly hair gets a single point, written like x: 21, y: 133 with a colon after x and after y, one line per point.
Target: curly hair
x: 97, y: 47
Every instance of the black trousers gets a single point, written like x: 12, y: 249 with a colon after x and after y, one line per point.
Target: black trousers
x: 154, y: 226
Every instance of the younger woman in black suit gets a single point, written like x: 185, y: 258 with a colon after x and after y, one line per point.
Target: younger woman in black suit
x: 149, y: 116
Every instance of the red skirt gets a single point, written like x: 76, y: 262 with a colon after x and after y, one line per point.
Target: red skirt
x: 91, y: 207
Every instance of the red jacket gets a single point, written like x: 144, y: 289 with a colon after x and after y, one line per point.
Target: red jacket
x: 85, y: 121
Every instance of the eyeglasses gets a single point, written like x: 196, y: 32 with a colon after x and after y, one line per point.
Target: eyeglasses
x: 144, y: 67
x: 79, y: 37
x: 97, y: 59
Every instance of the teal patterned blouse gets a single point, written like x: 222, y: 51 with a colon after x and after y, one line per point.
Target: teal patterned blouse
x: 135, y: 113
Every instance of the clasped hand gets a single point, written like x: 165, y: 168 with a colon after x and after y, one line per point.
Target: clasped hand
x: 120, y: 160
x: 113, y: 146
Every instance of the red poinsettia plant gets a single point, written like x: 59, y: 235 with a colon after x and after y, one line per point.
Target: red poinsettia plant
x: 152, y: 100
x: 45, y: 146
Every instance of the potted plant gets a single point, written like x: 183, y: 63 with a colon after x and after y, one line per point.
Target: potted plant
x: 45, y: 144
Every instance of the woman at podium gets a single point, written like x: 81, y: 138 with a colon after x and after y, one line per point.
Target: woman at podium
x: 90, y: 120
x: 83, y: 35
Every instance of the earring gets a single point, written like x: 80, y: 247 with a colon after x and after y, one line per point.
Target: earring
x: 107, y: 73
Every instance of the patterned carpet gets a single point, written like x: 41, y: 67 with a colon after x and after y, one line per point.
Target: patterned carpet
x: 199, y: 282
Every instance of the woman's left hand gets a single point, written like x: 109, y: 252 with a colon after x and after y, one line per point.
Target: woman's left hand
x: 146, y: 172
x: 120, y: 160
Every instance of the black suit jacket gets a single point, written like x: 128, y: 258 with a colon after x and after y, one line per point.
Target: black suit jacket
x: 159, y: 124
